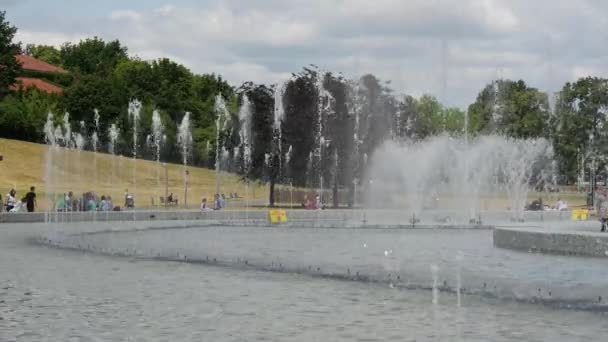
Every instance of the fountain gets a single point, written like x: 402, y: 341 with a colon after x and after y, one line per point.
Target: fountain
x: 94, y: 136
x: 279, y: 115
x: 246, y: 144
x: 155, y: 140
x: 324, y: 110
x: 95, y: 145
x: 67, y: 131
x: 437, y: 185
x: 68, y: 144
x: 354, y: 107
x: 287, y: 165
x: 49, y: 179
x: 184, y: 139
x: 225, y: 158
x: 451, y: 174
x: 221, y: 121
x: 206, y: 152
x: 113, y: 134
x: 79, y: 143
x: 134, y: 114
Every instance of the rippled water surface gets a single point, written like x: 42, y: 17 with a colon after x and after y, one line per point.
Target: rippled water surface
x: 55, y: 294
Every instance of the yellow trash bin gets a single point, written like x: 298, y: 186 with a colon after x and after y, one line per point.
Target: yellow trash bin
x: 277, y: 216
x: 580, y: 214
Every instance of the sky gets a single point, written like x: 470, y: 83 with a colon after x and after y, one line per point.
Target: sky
x: 448, y: 48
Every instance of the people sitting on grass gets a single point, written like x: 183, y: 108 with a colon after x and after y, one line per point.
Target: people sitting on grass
x: 129, y: 201
x: 110, y: 204
x: 219, y: 202
x: 20, y: 207
x: 310, y: 204
x: 91, y: 204
x: 561, y: 205
x: 104, y: 205
x: 69, y: 202
x: 536, y: 205
x: 11, y: 200
x: 318, y: 202
x: 204, y: 206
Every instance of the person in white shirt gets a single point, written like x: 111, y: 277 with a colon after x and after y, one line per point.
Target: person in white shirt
x: 11, y: 201
x: 561, y: 205
x: 19, y: 207
x: 104, y: 205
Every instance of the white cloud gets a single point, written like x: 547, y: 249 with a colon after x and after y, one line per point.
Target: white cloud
x: 544, y: 42
x: 125, y: 14
x: 46, y: 38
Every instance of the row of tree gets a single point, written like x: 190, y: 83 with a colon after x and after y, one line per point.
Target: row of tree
x: 330, y: 125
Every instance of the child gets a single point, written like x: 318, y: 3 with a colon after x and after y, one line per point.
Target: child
x: 204, y: 206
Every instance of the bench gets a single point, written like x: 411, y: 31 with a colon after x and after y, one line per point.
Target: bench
x: 164, y: 201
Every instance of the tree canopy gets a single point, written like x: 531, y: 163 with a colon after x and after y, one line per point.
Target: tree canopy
x: 330, y: 125
x: 9, y: 67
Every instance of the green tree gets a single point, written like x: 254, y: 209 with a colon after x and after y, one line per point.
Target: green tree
x: 430, y: 119
x: 301, y: 110
x: 137, y: 80
x: 454, y: 120
x: 581, y: 125
x: 92, y: 55
x: 173, y: 86
x: 9, y: 68
x: 23, y: 114
x: 95, y: 92
x: 261, y: 98
x: 338, y: 163
x: 47, y: 53
x: 510, y: 108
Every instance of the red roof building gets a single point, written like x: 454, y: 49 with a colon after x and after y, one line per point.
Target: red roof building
x: 28, y: 82
x: 30, y: 63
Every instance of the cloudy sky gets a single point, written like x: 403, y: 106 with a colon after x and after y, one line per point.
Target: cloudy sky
x: 449, y: 48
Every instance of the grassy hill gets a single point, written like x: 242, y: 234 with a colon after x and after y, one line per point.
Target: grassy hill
x: 25, y: 164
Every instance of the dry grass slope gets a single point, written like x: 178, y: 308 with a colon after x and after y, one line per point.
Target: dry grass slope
x: 25, y: 165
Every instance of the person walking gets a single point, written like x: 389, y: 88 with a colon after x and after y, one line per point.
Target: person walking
x: 30, y: 200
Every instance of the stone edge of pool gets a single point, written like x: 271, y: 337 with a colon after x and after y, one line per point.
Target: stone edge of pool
x: 568, y: 242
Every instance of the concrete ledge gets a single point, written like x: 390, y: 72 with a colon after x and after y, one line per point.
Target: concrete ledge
x: 559, y: 242
x: 366, y: 217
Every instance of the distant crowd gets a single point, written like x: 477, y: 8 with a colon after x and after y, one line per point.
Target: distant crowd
x: 219, y: 202
x: 90, y: 201
x: 313, y: 204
